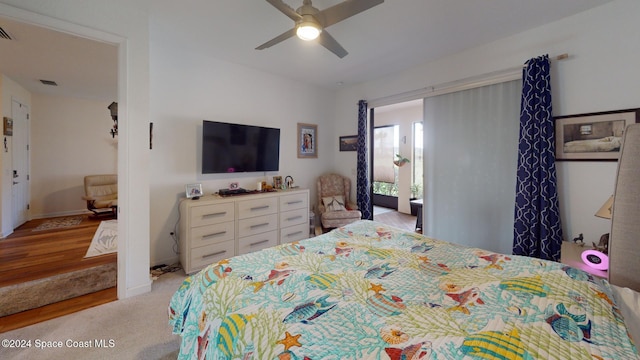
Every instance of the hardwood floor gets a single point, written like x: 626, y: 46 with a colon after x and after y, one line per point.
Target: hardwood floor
x: 29, y: 255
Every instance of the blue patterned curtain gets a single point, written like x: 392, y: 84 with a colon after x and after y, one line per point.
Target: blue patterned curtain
x: 363, y: 190
x: 537, y: 228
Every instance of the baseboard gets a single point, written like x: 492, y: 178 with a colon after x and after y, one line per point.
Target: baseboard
x: 138, y: 290
x: 61, y: 213
x: 168, y: 261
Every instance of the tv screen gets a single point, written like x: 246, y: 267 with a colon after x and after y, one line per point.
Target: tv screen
x: 228, y: 148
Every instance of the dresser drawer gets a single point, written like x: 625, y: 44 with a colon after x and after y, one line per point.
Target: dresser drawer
x: 257, y: 242
x: 294, y: 233
x: 206, y: 255
x: 294, y: 201
x: 257, y: 207
x: 257, y: 225
x: 294, y: 217
x: 211, y: 214
x: 212, y: 234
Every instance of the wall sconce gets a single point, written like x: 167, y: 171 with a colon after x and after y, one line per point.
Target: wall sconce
x: 114, y: 115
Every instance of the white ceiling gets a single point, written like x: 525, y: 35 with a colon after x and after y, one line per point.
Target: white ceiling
x: 384, y: 39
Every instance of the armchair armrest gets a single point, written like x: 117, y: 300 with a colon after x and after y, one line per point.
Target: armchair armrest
x: 352, y: 206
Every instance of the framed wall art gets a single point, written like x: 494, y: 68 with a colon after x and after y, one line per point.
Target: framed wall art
x: 7, y: 126
x: 349, y: 143
x: 307, y: 140
x: 594, y: 136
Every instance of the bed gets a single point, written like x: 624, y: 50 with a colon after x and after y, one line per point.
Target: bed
x: 371, y: 291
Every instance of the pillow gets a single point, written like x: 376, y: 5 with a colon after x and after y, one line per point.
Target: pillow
x: 334, y: 203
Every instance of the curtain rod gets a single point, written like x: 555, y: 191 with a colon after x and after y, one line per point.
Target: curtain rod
x: 471, y: 82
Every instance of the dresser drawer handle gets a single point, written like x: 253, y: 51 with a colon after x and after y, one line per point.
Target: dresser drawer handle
x: 258, y: 225
x: 294, y: 234
x: 294, y: 202
x: 259, y: 242
x: 259, y: 207
x: 222, y: 213
x: 214, y: 234
x: 214, y: 254
x: 294, y: 218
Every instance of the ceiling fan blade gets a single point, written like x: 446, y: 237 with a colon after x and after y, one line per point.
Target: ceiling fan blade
x: 285, y: 9
x: 345, y: 9
x: 331, y: 44
x: 280, y: 38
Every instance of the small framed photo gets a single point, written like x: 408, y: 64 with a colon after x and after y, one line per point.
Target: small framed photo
x: 307, y: 140
x: 349, y: 143
x: 233, y: 186
x: 7, y: 126
x: 277, y: 182
x: 193, y: 191
x: 592, y: 137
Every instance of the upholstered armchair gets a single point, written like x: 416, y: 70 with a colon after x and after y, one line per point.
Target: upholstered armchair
x: 101, y: 194
x: 334, y: 206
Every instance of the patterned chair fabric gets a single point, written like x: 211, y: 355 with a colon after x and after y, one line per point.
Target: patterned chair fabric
x: 337, y: 189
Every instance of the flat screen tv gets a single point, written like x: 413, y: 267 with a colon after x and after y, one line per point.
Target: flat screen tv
x: 229, y: 148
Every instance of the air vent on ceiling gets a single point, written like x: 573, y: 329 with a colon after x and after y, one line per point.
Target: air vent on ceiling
x: 49, y: 82
x: 4, y: 34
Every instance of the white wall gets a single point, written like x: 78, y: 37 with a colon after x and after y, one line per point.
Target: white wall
x: 188, y: 88
x: 9, y: 90
x: 69, y: 139
x: 601, y: 74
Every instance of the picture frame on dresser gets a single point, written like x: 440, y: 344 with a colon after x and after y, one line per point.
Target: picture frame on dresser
x: 193, y: 191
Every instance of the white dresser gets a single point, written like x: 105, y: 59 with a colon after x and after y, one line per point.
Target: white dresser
x: 213, y: 227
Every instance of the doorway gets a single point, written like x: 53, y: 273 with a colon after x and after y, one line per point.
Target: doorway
x: 397, y: 155
x: 118, y: 63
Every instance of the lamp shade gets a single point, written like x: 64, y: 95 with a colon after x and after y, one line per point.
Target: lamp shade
x: 605, y: 209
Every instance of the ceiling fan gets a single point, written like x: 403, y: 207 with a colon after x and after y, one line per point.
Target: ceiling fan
x: 311, y: 22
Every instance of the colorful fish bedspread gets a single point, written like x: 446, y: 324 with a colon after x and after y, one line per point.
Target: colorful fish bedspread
x: 370, y: 291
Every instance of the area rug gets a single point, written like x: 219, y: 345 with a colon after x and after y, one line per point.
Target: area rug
x: 59, y: 223
x: 105, y: 240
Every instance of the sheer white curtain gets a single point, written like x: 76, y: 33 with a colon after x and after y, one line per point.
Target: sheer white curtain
x: 471, y: 154
x: 384, y: 154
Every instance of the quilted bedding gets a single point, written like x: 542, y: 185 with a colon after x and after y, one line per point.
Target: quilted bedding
x: 370, y: 291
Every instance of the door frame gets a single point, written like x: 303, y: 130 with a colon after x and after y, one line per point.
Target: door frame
x: 55, y: 24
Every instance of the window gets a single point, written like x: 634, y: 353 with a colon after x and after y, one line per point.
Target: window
x: 418, y: 163
x: 385, y: 174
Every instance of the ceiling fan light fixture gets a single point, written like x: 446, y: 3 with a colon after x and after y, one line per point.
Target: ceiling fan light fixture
x: 308, y: 29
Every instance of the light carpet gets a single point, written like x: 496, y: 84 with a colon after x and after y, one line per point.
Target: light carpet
x: 105, y: 240
x: 59, y: 223
x: 132, y: 328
